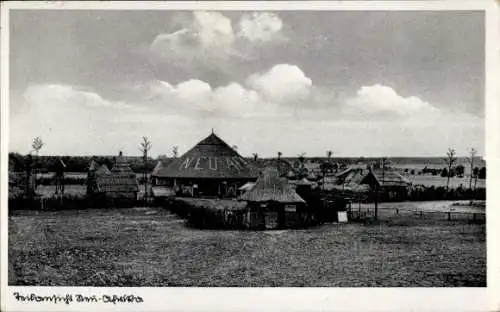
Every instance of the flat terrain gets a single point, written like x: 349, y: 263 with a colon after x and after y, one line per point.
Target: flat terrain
x: 152, y: 247
x: 436, y: 181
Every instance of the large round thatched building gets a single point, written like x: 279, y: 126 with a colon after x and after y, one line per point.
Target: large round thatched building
x: 210, y: 168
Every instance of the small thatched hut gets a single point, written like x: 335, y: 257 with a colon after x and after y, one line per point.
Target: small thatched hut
x: 273, y: 202
x: 118, y: 185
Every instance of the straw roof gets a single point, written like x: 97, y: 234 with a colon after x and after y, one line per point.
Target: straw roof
x: 93, y: 165
x: 351, y: 178
x: 210, y: 158
x: 390, y: 177
x: 271, y: 187
x: 120, y: 179
x: 103, y: 170
x: 121, y: 165
x: 157, y: 168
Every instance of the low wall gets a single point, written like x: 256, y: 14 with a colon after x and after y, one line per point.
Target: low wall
x: 223, y: 214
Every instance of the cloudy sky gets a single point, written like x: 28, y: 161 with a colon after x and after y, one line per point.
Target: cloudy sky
x: 357, y: 83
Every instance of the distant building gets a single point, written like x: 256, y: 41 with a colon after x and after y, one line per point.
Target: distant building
x: 117, y: 186
x: 210, y: 168
x: 361, y: 179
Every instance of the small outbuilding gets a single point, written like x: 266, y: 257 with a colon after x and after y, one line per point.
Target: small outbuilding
x: 273, y: 202
x: 117, y: 186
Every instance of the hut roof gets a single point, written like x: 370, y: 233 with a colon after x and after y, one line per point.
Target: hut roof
x: 352, y: 176
x: 210, y: 158
x: 390, y: 177
x: 157, y: 168
x: 103, y: 170
x: 120, y: 178
x: 271, y: 187
x: 93, y: 165
x: 121, y: 165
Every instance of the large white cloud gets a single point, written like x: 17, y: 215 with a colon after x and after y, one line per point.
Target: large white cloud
x: 196, y: 97
x: 261, y: 27
x: 254, y: 116
x: 209, y: 38
x: 281, y: 83
x: 266, y: 94
x: 379, y: 101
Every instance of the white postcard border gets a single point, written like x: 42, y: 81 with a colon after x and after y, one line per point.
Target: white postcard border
x: 276, y: 299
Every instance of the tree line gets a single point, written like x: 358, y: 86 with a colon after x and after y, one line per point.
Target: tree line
x: 17, y: 162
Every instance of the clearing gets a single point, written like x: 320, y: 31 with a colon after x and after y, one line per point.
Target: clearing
x: 152, y: 247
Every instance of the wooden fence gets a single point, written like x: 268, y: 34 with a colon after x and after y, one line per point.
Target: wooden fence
x: 358, y: 214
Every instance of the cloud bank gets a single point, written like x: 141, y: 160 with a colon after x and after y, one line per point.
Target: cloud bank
x: 210, y: 40
x: 277, y: 109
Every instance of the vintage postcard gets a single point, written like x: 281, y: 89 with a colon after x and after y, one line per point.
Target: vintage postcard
x: 220, y: 156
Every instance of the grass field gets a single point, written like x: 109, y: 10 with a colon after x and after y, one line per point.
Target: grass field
x: 430, y: 180
x: 152, y: 247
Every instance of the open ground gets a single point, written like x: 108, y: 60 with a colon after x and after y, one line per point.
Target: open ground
x: 152, y: 247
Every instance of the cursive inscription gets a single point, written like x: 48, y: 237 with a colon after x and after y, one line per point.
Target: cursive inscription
x: 78, y: 298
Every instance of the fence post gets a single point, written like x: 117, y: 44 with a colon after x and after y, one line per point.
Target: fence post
x: 473, y: 217
x: 449, y: 216
x: 421, y: 213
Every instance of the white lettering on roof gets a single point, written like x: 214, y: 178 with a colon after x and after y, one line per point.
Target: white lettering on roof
x: 197, y: 165
x: 212, y: 166
x: 186, y: 163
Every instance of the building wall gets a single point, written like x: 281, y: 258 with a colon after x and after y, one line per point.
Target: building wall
x: 207, y: 187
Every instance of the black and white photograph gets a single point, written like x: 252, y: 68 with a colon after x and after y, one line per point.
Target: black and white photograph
x: 232, y: 146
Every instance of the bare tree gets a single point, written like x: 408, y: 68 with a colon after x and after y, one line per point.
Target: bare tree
x: 175, y: 151
x: 384, y: 163
x: 37, y: 144
x: 450, y: 160
x: 144, y: 147
x: 302, y: 160
x: 255, y: 156
x: 278, y: 162
x: 472, y: 153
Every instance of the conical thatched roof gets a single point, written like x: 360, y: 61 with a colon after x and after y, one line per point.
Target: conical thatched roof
x: 93, y: 165
x: 121, y: 165
x: 103, y: 170
x: 271, y: 187
x: 121, y: 178
x: 210, y: 158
